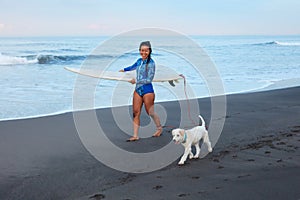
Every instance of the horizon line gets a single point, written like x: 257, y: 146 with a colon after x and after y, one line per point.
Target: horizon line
x: 112, y: 35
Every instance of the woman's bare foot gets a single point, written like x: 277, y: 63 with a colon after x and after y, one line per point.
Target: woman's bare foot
x: 133, y: 139
x: 158, y: 132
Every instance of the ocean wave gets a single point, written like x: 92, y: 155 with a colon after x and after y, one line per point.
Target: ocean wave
x: 38, y: 59
x: 279, y: 43
x: 288, y: 43
x: 15, y: 60
x: 55, y: 59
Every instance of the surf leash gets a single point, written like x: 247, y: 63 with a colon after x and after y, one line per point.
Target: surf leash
x: 188, y: 105
x: 187, y: 100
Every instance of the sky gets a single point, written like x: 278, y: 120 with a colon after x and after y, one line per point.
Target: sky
x: 111, y: 17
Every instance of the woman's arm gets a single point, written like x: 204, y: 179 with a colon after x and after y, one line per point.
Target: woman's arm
x: 132, y: 67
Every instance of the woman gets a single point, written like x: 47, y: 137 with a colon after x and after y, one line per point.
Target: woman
x: 144, y: 93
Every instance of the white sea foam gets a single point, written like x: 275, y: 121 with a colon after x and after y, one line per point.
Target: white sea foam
x: 287, y: 43
x: 36, y: 116
x: 15, y: 60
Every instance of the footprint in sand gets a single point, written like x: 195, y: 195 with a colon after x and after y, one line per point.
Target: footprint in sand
x: 281, y: 143
x: 183, y: 195
x: 242, y: 176
x: 97, y: 196
x: 157, y: 187
x: 295, y: 129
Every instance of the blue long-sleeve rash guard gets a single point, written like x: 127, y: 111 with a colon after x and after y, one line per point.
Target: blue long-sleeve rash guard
x: 143, y: 76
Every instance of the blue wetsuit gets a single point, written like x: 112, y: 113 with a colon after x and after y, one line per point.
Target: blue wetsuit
x: 144, y: 75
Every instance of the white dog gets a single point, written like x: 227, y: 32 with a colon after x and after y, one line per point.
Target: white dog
x: 191, y: 137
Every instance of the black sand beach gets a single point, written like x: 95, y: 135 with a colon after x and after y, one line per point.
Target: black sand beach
x: 256, y: 157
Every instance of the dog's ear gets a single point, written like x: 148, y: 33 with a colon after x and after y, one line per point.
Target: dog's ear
x: 181, y: 131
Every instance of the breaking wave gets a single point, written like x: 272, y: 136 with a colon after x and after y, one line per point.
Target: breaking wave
x: 279, y: 43
x: 46, y: 59
x: 15, y: 60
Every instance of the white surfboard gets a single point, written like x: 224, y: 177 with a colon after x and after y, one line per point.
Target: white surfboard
x: 160, y: 75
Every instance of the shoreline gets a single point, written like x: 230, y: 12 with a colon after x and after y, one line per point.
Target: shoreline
x: 279, y: 84
x: 258, y: 150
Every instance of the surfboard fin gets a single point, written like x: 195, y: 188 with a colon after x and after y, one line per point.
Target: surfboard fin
x: 171, y: 83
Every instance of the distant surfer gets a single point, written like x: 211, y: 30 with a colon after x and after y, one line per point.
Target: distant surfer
x: 143, y: 93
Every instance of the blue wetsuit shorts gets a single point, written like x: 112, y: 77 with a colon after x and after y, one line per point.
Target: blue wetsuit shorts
x: 145, y: 89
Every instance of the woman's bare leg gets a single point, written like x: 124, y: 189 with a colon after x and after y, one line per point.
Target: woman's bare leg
x: 149, y: 106
x: 136, y: 109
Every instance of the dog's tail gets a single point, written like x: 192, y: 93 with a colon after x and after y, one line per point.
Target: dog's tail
x: 202, y: 121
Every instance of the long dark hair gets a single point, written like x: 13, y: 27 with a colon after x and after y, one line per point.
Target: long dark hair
x: 148, y: 44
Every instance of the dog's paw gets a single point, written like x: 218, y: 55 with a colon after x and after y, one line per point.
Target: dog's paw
x: 191, y: 156
x: 196, y: 156
x: 181, y: 163
x: 210, y: 149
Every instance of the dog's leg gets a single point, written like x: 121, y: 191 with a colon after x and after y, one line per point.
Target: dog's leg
x: 186, y: 153
x: 191, y: 156
x: 207, y: 142
x: 197, y: 151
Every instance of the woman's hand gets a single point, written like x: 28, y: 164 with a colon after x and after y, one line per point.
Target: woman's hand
x: 121, y: 70
x: 132, y: 81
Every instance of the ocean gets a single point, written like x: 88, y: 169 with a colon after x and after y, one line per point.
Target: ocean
x: 34, y: 82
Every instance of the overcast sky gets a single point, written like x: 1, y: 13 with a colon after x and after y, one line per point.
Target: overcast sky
x: 110, y: 17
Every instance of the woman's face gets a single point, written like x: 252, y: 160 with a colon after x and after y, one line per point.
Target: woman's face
x: 144, y: 51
